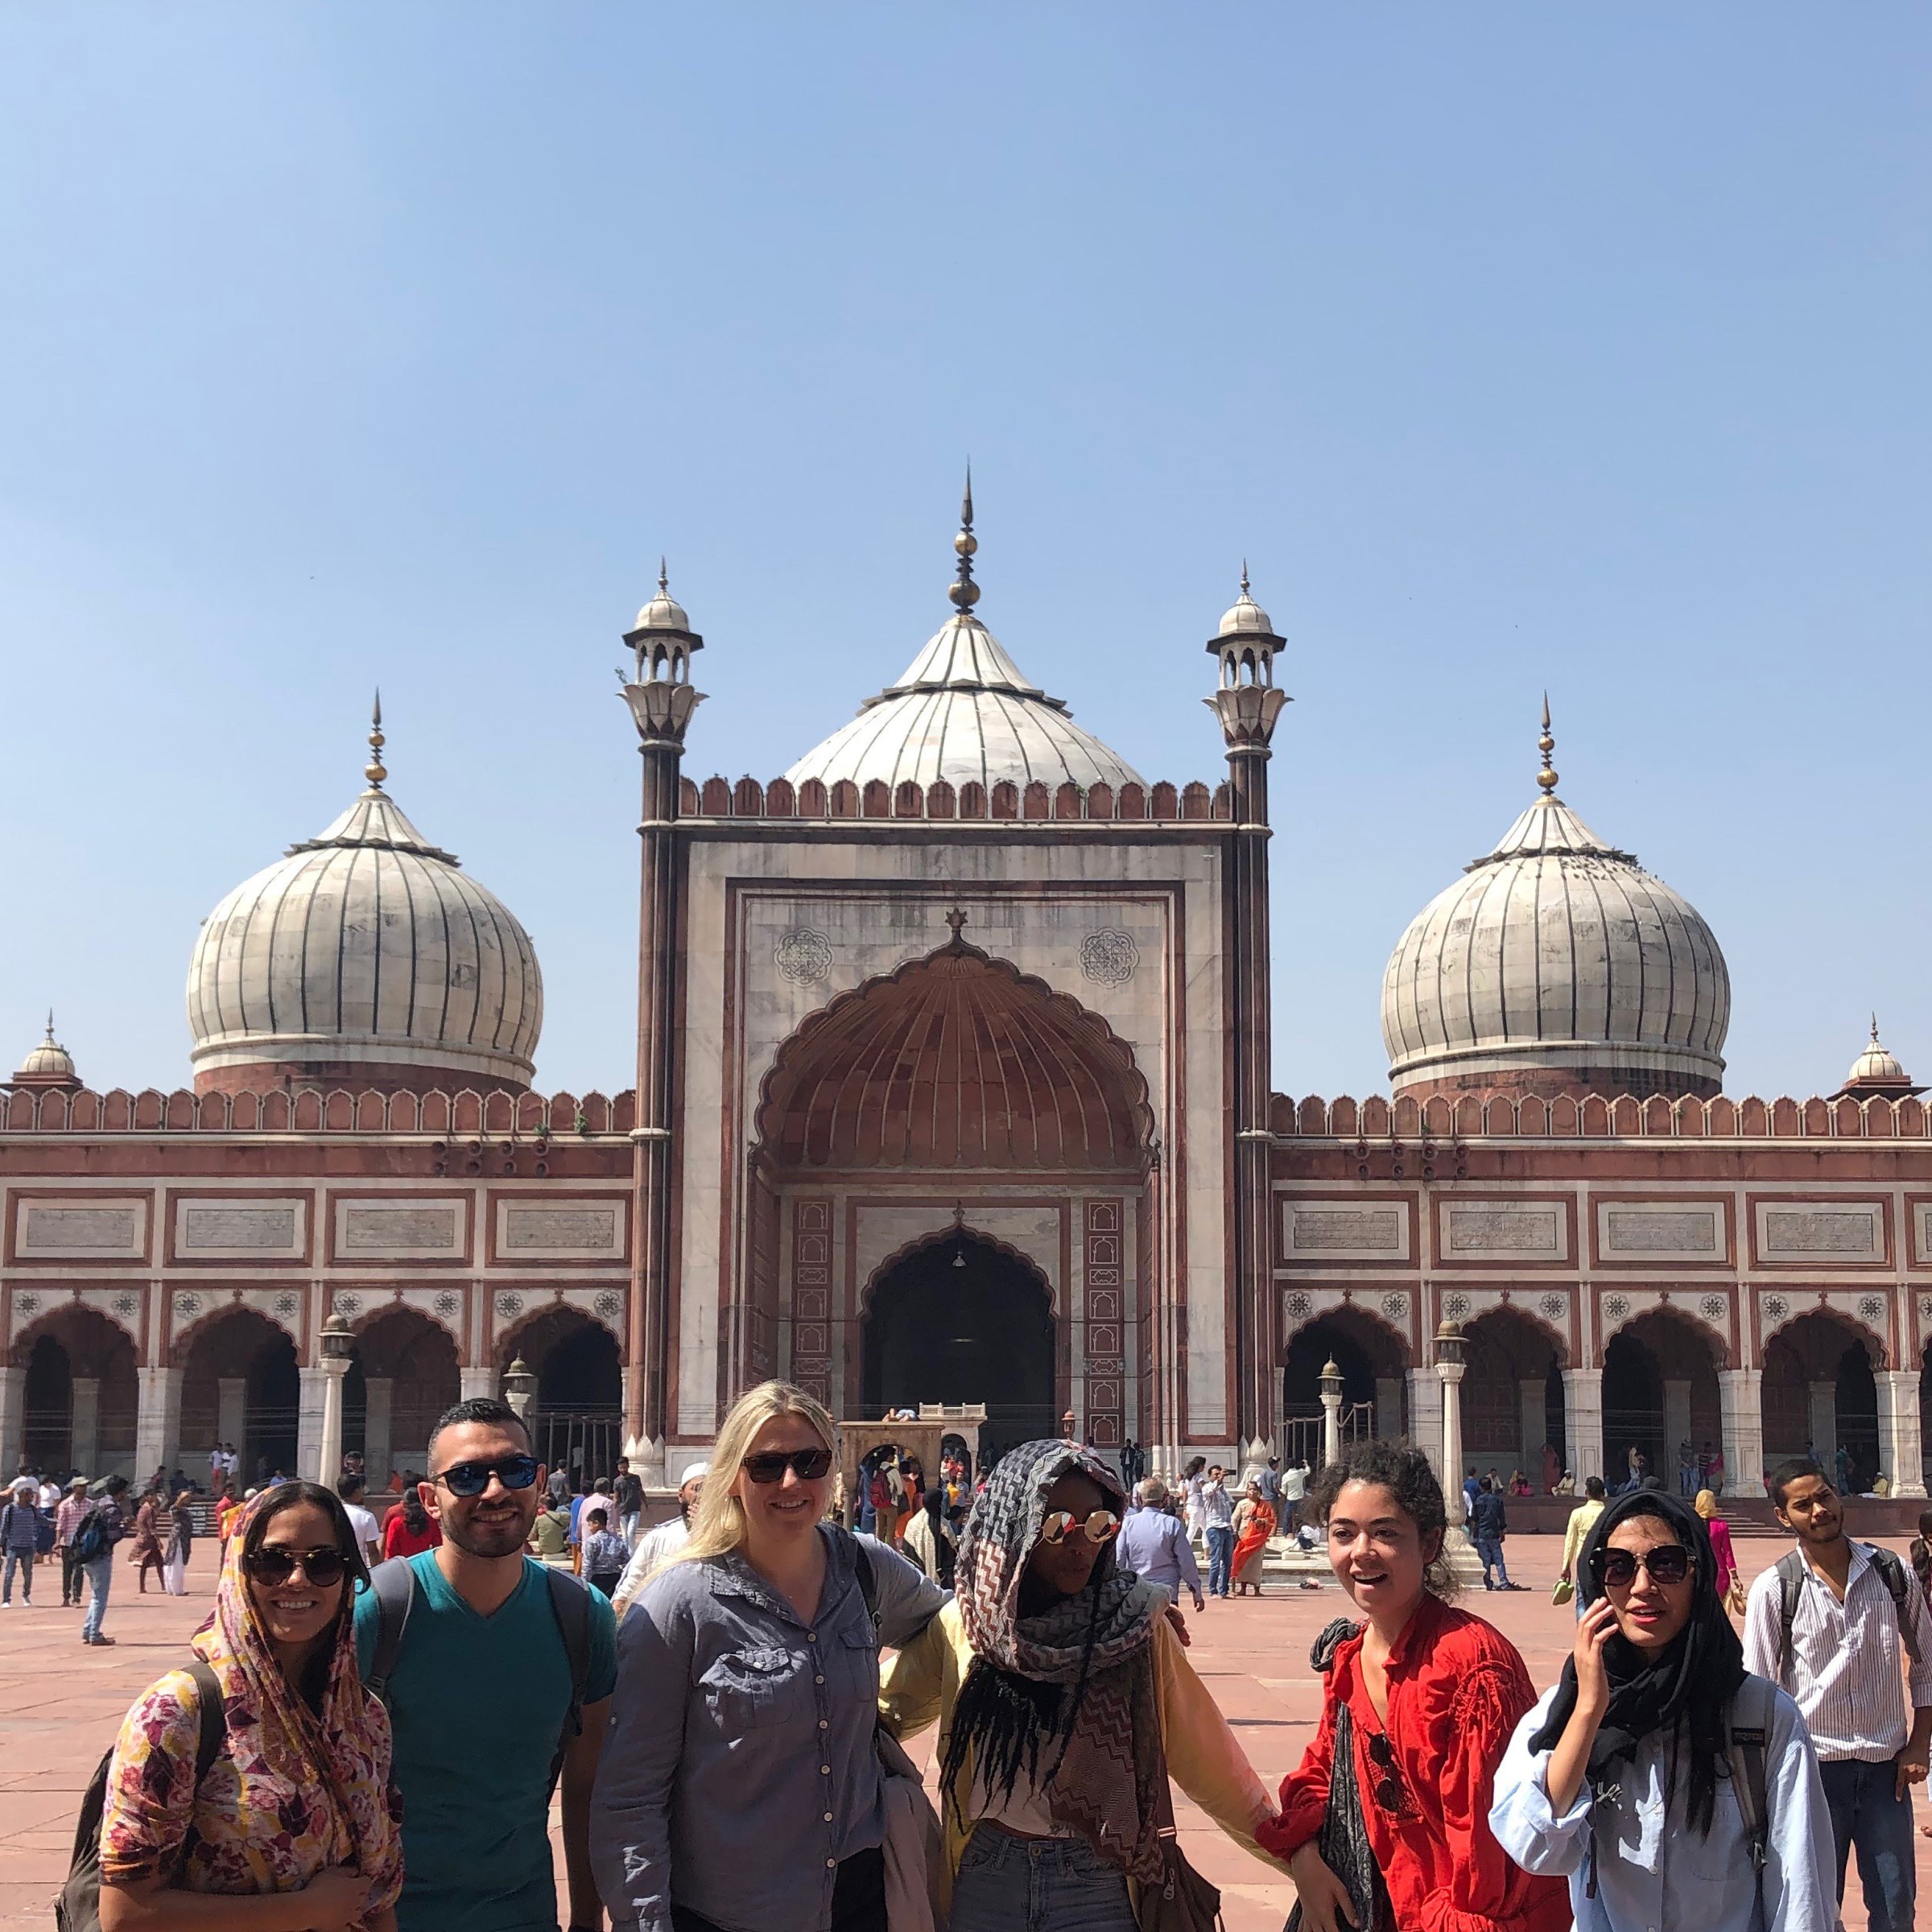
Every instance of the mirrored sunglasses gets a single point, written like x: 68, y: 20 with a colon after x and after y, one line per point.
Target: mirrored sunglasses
x: 1667, y: 1564
x: 274, y: 1565
x: 769, y: 1466
x: 472, y: 1479
x: 1103, y: 1526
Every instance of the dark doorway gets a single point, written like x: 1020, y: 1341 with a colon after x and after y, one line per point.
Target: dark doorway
x: 46, y: 1433
x: 577, y: 1423
x: 961, y: 1322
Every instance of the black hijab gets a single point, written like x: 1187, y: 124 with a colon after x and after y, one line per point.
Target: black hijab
x: 1690, y: 1682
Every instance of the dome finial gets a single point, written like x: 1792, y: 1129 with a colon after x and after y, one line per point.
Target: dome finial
x: 1547, y: 778
x: 964, y: 593
x: 374, y: 771
x: 1244, y: 576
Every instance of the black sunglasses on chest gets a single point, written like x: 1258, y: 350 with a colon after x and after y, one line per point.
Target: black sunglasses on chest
x: 1388, y: 1786
x: 472, y: 1479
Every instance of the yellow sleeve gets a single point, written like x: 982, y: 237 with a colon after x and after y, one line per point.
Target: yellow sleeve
x: 912, y: 1686
x: 1205, y: 1757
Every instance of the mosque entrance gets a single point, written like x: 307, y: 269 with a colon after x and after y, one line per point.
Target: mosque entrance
x: 961, y: 1320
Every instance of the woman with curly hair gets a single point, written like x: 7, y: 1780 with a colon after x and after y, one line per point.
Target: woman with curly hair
x: 1065, y: 1702
x: 1426, y: 1697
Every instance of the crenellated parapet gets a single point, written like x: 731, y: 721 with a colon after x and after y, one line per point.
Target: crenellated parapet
x: 717, y: 797
x: 318, y: 1111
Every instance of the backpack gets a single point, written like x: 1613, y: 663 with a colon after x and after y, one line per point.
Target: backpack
x: 89, y: 1539
x: 1747, y: 1730
x: 394, y: 1584
x: 1791, y: 1580
x: 78, y: 1907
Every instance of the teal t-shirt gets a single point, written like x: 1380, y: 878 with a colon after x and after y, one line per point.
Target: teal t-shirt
x: 477, y: 1704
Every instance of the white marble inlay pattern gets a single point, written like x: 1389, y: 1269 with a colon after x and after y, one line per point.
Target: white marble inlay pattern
x: 1804, y: 1232
x: 397, y: 1227
x: 1534, y: 1229
x: 99, y: 1230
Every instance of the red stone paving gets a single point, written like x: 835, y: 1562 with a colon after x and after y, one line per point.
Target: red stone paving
x: 61, y: 1703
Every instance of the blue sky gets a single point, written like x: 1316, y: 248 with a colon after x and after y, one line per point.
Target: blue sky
x: 1514, y: 345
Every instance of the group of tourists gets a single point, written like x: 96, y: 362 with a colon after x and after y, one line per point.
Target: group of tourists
x: 78, y: 1530
x: 348, y: 1753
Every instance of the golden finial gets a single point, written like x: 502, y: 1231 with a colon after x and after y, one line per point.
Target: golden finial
x: 373, y: 770
x: 964, y: 593
x: 1547, y: 778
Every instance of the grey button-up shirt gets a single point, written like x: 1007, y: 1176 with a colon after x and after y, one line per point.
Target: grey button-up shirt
x: 738, y: 1768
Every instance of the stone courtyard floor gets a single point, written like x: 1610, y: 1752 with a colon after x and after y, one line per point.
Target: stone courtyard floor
x: 59, y: 1705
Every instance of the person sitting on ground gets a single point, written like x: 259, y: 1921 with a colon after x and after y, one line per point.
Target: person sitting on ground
x: 293, y: 1824
x: 662, y: 1541
x: 1624, y: 1779
x: 1519, y: 1483
x: 409, y: 1528
x: 1065, y: 1702
x: 550, y: 1534
x: 604, y: 1555
x: 1153, y: 1545
x: 741, y: 1786
x: 1428, y: 1697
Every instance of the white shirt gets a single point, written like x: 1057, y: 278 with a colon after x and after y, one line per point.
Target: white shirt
x: 1845, y: 1667
x: 1653, y: 1871
x: 1294, y: 1483
x: 363, y: 1522
x: 656, y: 1548
x: 50, y: 1495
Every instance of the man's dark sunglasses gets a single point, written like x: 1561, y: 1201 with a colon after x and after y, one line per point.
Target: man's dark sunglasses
x: 1389, y: 1787
x: 807, y: 1465
x: 472, y: 1479
x: 1667, y: 1564
x: 274, y: 1565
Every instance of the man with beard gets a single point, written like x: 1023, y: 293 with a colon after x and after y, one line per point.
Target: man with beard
x: 497, y: 1672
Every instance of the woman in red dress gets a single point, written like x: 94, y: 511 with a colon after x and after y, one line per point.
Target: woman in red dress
x: 1433, y: 1695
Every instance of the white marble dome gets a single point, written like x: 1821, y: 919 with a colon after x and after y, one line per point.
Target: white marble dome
x: 962, y: 710
x: 49, y: 1064
x: 1556, y: 960
x: 368, y: 946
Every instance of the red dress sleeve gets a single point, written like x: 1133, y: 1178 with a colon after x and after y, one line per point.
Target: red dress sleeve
x: 1304, y: 1790
x: 1486, y: 1891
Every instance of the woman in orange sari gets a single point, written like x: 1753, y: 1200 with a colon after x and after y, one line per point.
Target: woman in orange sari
x: 1253, y: 1525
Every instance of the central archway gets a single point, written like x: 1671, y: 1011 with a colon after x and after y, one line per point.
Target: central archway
x: 963, y: 1320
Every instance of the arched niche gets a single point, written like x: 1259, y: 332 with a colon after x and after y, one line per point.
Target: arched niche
x: 81, y: 1394
x: 411, y: 1359
x: 1819, y: 1393
x: 1513, y: 1392
x: 576, y: 1418
x: 1660, y: 1390
x: 1374, y: 1359
x: 241, y: 1383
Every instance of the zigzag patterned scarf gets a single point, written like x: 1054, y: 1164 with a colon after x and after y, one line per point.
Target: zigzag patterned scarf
x: 1080, y: 1676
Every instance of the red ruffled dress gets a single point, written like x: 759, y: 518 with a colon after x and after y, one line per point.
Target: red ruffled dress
x: 1457, y: 1690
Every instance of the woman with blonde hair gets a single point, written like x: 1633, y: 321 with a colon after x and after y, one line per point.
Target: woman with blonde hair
x: 739, y: 1784
x: 1705, y: 1506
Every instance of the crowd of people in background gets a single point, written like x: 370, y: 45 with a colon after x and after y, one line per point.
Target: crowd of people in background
x: 377, y: 1713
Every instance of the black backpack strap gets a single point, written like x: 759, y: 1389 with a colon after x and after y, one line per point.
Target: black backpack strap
x: 1747, y: 1734
x: 1790, y: 1581
x: 1886, y: 1563
x: 570, y: 1605
x: 394, y: 1584
x: 213, y: 1708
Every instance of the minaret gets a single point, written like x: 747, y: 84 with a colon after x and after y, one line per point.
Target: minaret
x: 662, y: 698
x: 1248, y: 705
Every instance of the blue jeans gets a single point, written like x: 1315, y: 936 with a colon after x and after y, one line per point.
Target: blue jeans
x: 1038, y: 1884
x: 1867, y: 1814
x: 100, y: 1574
x: 22, y: 1560
x: 1490, y: 1550
x: 1220, y: 1558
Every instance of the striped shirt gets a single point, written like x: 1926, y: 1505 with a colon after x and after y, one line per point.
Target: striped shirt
x: 1846, y: 1665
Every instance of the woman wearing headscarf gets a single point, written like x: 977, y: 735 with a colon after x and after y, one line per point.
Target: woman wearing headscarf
x: 1719, y: 1533
x: 929, y: 1541
x: 1065, y: 1702
x: 1253, y: 1525
x: 294, y: 1828
x: 1628, y: 1778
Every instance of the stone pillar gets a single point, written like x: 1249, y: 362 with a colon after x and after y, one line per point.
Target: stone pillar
x: 1900, y: 1431
x: 1677, y: 1429
x: 1821, y: 1410
x: 662, y: 698
x: 1456, y: 1546
x: 309, y: 1421
x: 1740, y: 1401
x: 1331, y: 1427
x: 231, y: 1414
x: 84, y: 1425
x: 1536, y: 1427
x: 13, y: 1418
x: 377, y: 1449
x: 328, y: 1459
x: 1426, y: 1421
x: 1389, y: 1406
x: 157, y: 1422
x: 1584, y: 1423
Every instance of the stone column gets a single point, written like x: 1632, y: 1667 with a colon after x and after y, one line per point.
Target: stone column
x: 1456, y: 1546
x: 13, y: 1418
x: 377, y: 1449
x: 157, y: 1422
x: 1426, y: 1419
x: 476, y: 1382
x: 1332, y: 1427
x: 329, y: 1456
x: 1389, y: 1406
x: 1676, y: 1428
x: 1536, y: 1427
x: 84, y: 1425
x: 1740, y: 1401
x: 1584, y: 1423
x: 309, y: 1423
x: 1900, y: 1431
x: 1821, y: 1411
x: 231, y: 1414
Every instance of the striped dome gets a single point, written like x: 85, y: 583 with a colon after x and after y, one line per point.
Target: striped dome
x: 366, y: 946
x: 962, y: 710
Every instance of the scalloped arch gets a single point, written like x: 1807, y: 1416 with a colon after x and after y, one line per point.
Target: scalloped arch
x: 956, y: 1059
x: 1360, y: 1311
x: 938, y: 1239
x: 1855, y: 1329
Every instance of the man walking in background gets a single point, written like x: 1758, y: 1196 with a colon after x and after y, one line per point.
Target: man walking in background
x: 1153, y: 1544
x: 1581, y: 1518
